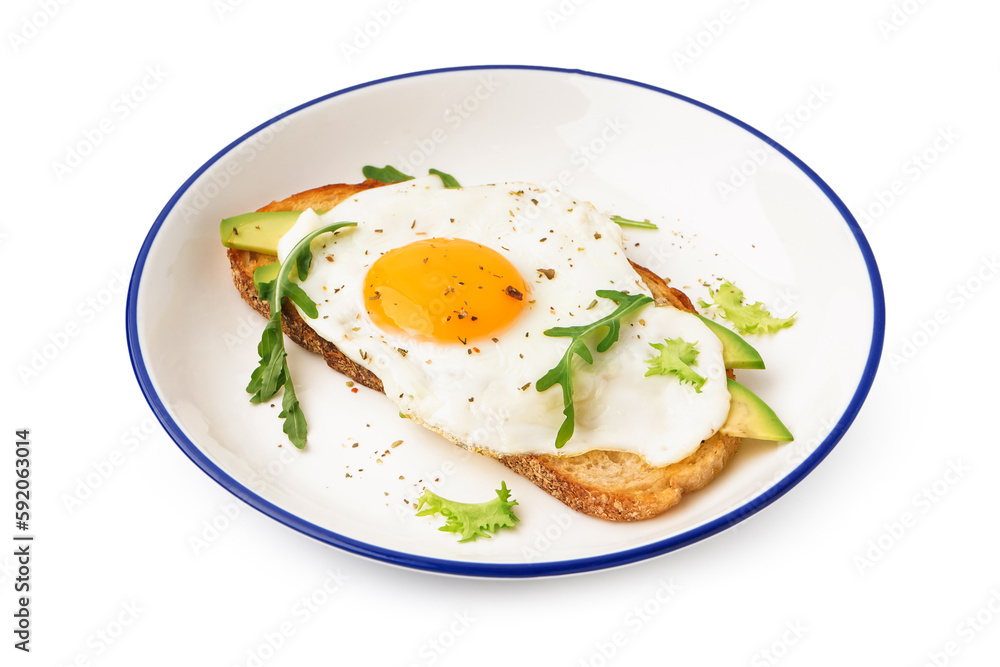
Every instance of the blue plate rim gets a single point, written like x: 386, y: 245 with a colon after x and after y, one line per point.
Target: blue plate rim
x: 509, y: 570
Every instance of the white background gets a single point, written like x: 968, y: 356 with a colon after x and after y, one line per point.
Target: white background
x: 886, y: 554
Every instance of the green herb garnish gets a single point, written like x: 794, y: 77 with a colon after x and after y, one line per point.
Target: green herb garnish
x: 750, y: 318
x: 625, y: 222
x: 387, y: 174
x: 562, y: 373
x: 471, y: 520
x: 448, y: 180
x: 272, y: 371
x: 676, y: 357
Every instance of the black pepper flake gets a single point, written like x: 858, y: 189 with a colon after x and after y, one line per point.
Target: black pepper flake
x: 402, y: 352
x: 463, y: 340
x: 496, y: 340
x: 471, y: 399
x: 525, y: 387
x: 597, y: 235
x: 548, y: 273
x: 513, y: 293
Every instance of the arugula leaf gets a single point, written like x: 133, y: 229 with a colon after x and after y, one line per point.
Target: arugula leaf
x: 295, y: 420
x: 387, y: 174
x: 272, y: 371
x: 269, y: 376
x: 746, y: 318
x: 625, y: 222
x: 471, y: 520
x: 562, y: 373
x: 448, y: 180
x: 676, y: 357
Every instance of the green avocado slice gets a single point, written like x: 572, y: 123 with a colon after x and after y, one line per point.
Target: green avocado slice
x: 259, y: 231
x: 750, y: 417
x: 736, y: 352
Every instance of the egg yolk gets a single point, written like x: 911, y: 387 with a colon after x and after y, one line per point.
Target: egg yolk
x: 445, y: 289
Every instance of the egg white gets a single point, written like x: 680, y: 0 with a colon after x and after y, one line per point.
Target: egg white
x: 482, y: 394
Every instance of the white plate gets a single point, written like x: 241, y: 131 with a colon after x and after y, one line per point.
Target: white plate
x: 730, y: 202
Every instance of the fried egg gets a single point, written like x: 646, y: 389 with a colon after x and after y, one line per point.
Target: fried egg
x: 445, y: 295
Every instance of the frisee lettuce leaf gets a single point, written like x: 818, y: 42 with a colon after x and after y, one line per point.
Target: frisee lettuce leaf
x: 676, y: 357
x: 752, y: 318
x: 562, y: 373
x: 471, y: 520
x: 272, y: 372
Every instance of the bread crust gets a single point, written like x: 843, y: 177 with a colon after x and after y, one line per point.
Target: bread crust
x: 612, y: 485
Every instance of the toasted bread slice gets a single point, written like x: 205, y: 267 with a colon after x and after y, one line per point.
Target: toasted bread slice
x: 618, y: 486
